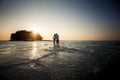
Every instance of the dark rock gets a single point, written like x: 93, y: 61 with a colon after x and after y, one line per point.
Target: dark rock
x: 23, y: 35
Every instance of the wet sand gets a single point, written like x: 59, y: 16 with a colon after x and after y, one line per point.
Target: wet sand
x: 98, y: 61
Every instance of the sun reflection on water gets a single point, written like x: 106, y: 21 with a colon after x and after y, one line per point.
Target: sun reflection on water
x: 34, y: 52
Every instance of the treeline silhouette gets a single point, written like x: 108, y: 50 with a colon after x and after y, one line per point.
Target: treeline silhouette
x: 23, y: 35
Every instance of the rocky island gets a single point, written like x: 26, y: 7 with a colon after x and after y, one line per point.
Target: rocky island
x: 23, y: 35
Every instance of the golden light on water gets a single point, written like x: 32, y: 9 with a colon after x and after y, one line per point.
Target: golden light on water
x: 34, y: 53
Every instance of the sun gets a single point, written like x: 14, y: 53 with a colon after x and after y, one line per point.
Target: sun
x: 35, y: 30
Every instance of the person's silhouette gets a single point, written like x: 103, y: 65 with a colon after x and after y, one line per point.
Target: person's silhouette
x: 56, y: 39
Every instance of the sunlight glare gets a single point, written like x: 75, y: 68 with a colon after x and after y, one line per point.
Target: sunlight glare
x: 35, y: 30
x: 34, y: 54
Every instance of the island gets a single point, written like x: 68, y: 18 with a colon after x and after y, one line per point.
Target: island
x: 24, y: 35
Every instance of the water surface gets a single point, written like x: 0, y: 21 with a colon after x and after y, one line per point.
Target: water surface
x: 74, y: 60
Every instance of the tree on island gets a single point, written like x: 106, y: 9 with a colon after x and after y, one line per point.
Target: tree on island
x: 23, y: 35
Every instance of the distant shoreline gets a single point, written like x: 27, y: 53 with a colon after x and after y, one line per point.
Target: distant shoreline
x: 72, y: 40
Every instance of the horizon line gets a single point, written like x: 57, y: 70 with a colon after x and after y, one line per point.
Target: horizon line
x: 70, y: 40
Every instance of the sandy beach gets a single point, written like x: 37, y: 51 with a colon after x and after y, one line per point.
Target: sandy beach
x: 74, y: 60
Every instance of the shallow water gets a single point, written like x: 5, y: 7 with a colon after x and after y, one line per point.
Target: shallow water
x: 74, y: 60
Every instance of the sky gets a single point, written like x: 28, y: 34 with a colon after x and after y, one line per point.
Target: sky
x: 71, y: 19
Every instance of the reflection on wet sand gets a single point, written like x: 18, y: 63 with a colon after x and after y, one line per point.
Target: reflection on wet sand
x: 37, y: 61
x: 34, y: 53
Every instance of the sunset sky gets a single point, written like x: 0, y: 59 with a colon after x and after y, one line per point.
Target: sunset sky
x: 71, y: 19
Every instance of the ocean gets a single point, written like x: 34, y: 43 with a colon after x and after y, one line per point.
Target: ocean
x: 73, y: 60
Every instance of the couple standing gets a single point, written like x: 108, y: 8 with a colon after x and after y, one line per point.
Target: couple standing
x: 56, y: 40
